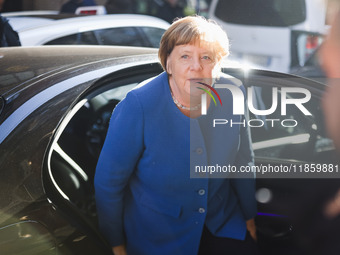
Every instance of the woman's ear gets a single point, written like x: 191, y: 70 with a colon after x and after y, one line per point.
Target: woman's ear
x: 168, y: 65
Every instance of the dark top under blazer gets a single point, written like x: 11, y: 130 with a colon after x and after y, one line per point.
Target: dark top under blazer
x: 144, y: 194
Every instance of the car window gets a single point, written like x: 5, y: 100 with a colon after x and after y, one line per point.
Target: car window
x: 280, y: 13
x: 153, y: 35
x: 124, y: 36
x: 73, y: 154
x: 292, y: 136
x: 74, y: 39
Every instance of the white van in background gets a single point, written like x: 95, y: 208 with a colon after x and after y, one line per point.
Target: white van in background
x: 272, y: 34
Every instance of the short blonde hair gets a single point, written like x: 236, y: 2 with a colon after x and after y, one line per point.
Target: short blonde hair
x: 192, y: 30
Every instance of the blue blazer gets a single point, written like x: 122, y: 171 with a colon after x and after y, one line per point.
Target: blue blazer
x: 145, y: 195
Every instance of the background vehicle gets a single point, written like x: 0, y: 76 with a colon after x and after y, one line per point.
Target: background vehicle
x: 55, y: 104
x: 274, y: 34
x: 29, y: 19
x: 115, y: 29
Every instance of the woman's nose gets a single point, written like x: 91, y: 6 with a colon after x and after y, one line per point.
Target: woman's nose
x: 196, y: 64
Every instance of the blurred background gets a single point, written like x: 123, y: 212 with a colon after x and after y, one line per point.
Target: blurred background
x: 139, y: 6
x: 277, y: 35
x: 24, y: 5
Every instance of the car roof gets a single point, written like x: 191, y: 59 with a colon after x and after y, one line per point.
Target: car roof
x: 28, y: 13
x: 58, y: 28
x: 29, y: 19
x: 52, y: 15
x: 22, y: 23
x: 22, y: 65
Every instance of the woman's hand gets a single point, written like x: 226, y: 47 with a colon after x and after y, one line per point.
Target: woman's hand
x: 119, y: 250
x: 252, y: 228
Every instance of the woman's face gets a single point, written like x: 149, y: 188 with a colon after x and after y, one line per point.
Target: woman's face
x: 190, y: 63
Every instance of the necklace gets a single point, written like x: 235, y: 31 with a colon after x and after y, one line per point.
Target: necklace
x: 194, y: 108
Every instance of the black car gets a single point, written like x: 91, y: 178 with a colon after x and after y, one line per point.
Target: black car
x: 55, y: 104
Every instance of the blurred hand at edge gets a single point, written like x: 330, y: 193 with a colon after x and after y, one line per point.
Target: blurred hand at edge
x: 252, y: 228
x: 119, y: 250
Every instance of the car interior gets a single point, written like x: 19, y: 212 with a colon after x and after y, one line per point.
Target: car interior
x: 73, y: 153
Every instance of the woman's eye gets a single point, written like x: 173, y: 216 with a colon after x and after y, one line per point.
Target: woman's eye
x: 185, y: 56
x: 206, y: 58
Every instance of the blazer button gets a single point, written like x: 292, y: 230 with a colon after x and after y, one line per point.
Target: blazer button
x: 201, y: 210
x: 201, y: 192
x: 199, y: 150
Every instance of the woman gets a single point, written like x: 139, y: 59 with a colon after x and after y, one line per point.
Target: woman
x: 146, y: 199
